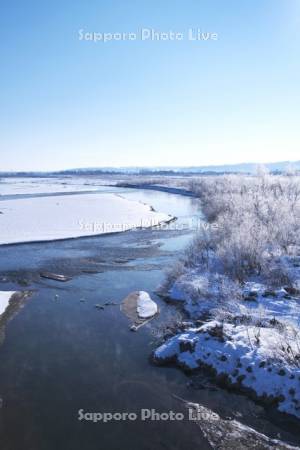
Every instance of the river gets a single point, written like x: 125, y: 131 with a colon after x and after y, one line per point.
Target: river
x: 62, y: 355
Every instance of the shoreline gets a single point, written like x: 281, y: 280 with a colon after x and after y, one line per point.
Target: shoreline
x: 153, y: 187
x: 248, y: 340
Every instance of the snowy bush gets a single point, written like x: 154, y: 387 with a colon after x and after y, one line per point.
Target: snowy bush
x: 258, y: 223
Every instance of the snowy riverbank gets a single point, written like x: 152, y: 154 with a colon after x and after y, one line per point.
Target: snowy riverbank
x: 250, y: 342
x: 239, y: 283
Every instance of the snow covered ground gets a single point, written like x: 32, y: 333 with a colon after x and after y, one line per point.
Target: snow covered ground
x: 70, y: 216
x: 17, y: 186
x: 232, y: 351
x: 239, y: 282
x: 251, y: 337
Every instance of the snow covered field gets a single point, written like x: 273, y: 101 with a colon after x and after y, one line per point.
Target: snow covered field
x: 20, y: 186
x: 70, y: 216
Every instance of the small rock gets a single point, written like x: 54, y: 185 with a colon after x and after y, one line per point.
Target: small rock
x: 187, y: 346
x: 240, y: 378
x: 292, y: 290
x: 253, y: 294
x: 269, y: 293
x: 250, y: 298
x: 99, y: 306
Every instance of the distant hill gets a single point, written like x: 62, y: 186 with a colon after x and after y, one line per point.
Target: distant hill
x: 275, y: 167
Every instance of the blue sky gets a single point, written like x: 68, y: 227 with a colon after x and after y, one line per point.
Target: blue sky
x: 67, y: 102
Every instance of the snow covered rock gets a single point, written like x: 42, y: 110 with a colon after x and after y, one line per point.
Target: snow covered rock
x: 146, y: 307
x: 139, y: 308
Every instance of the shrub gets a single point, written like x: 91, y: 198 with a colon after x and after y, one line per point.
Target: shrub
x: 258, y: 222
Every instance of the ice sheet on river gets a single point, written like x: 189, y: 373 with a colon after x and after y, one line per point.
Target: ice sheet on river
x: 70, y: 216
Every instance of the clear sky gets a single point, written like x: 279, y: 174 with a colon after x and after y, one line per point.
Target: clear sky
x: 68, y: 102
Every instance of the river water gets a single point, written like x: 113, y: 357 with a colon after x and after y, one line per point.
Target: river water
x: 62, y: 355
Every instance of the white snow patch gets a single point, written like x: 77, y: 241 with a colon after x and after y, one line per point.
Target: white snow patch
x: 146, y: 307
x: 5, y: 296
x: 199, y: 291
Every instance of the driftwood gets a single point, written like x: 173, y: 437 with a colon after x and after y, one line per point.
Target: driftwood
x: 55, y: 276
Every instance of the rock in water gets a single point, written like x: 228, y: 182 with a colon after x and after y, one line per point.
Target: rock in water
x: 146, y: 307
x: 139, y: 308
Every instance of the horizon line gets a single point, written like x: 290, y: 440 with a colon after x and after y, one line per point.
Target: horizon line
x: 158, y: 167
